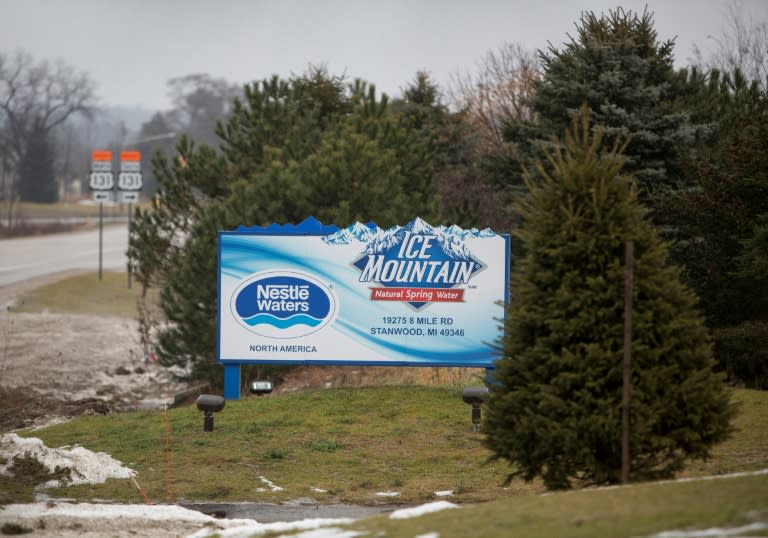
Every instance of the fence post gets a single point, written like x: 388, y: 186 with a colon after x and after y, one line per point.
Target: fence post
x: 629, y: 262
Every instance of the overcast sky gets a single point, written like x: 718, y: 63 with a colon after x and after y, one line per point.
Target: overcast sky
x: 132, y: 47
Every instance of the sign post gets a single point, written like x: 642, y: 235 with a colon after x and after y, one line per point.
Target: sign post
x: 101, y: 181
x: 129, y: 183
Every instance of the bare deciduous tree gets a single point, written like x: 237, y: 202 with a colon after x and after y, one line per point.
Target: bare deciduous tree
x: 35, y: 97
x: 199, y: 101
x: 743, y: 45
x: 497, y: 92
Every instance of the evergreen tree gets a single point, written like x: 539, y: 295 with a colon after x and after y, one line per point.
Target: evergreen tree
x: 556, y: 410
x: 36, y: 170
x: 290, y: 149
x: 616, y: 65
x: 720, y: 227
x: 454, y: 143
x: 727, y: 194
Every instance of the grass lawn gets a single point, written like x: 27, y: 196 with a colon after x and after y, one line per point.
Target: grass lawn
x: 68, y: 209
x: 84, y: 294
x: 351, y: 444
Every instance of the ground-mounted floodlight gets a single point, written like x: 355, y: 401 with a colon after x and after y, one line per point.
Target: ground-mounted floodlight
x: 475, y: 396
x: 209, y: 404
x: 261, y: 387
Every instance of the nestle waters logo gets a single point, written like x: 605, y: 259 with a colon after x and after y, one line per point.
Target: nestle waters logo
x: 283, y: 304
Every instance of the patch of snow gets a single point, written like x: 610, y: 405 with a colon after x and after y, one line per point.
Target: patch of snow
x: 271, y: 485
x: 388, y: 494
x: 740, y: 474
x: 714, y: 477
x: 86, y: 467
x: 328, y: 532
x: 713, y: 532
x: 131, y: 515
x: 428, y: 535
x: 446, y: 493
x: 318, y: 490
x: 154, y: 512
x: 244, y: 528
x: 417, y: 511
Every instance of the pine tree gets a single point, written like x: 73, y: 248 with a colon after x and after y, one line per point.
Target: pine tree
x: 722, y: 239
x: 556, y: 410
x: 455, y: 144
x: 38, y: 177
x: 616, y: 65
x: 291, y: 149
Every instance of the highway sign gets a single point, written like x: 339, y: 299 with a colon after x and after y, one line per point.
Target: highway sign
x: 127, y: 197
x: 101, y: 181
x: 130, y: 161
x: 129, y: 181
x: 102, y: 196
x: 101, y: 161
x: 129, y: 178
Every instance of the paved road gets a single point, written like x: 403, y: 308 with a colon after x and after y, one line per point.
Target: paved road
x: 25, y: 258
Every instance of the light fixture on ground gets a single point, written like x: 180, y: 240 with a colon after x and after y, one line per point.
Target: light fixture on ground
x: 209, y: 404
x: 475, y: 396
x: 261, y: 387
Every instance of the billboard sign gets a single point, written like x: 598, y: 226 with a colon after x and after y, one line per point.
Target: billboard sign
x: 412, y: 295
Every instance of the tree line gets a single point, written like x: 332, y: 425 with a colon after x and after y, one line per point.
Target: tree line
x: 574, y: 150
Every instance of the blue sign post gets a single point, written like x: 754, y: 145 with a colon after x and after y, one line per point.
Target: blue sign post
x: 412, y: 295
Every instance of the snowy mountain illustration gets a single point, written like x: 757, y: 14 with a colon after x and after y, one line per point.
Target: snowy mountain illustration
x: 358, y: 232
x: 450, y: 238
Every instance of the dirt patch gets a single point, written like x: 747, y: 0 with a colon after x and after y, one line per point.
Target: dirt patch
x: 307, y: 377
x: 54, y: 365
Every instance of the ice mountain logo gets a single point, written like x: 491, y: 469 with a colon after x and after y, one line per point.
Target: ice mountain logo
x: 416, y: 263
x: 283, y: 304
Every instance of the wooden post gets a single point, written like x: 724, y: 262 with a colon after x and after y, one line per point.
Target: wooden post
x: 629, y: 262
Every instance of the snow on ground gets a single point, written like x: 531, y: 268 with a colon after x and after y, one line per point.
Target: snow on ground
x: 715, y: 532
x: 87, y: 519
x: 65, y: 519
x: 269, y: 483
x: 417, y: 511
x: 86, y: 467
x: 243, y: 528
x: 387, y: 494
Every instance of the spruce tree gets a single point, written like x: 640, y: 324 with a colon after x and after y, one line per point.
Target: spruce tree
x: 555, y: 411
x: 615, y: 64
